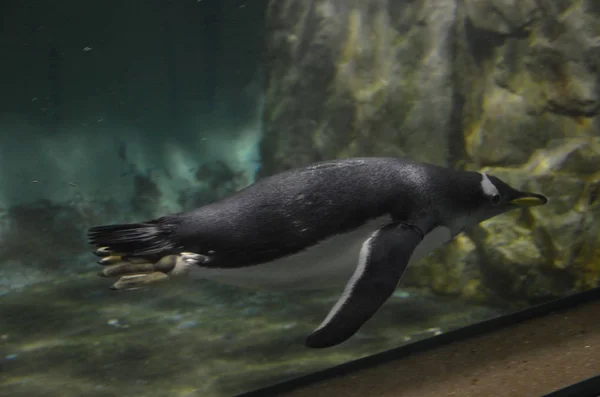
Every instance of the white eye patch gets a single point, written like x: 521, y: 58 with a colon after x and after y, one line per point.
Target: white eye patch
x: 487, y: 186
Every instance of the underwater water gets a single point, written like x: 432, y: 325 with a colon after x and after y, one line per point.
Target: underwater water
x: 119, y: 112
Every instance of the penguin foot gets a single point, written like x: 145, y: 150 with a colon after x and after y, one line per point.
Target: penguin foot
x: 136, y: 272
x: 127, y: 268
x: 135, y: 281
x: 102, y: 252
x: 191, y: 258
x: 110, y: 260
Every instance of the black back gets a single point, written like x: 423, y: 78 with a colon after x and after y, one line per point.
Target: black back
x: 290, y: 211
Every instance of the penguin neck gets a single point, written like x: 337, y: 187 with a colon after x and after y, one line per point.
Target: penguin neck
x: 459, y: 196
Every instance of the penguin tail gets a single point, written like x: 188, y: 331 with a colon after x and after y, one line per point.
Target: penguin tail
x: 133, y: 239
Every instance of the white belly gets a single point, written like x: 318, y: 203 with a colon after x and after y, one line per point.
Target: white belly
x: 326, y: 265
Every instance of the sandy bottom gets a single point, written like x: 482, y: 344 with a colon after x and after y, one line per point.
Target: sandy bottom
x: 77, y: 338
x: 529, y: 359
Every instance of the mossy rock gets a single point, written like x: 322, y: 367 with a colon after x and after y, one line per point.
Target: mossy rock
x: 483, y: 83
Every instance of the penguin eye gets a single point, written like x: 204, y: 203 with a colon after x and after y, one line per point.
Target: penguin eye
x: 495, y: 199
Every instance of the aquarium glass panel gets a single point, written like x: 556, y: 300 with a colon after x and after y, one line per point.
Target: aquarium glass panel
x: 129, y: 263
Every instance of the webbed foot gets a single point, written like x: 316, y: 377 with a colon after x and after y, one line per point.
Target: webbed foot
x: 135, y: 272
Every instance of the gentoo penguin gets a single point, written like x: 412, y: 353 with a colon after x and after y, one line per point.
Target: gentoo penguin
x: 361, y: 221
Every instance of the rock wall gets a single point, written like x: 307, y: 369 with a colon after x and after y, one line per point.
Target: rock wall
x: 351, y: 77
x: 502, y: 85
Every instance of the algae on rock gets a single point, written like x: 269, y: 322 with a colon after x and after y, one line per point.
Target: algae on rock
x: 348, y: 78
x: 505, y: 86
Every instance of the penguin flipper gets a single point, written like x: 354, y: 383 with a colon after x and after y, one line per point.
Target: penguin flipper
x: 383, y: 258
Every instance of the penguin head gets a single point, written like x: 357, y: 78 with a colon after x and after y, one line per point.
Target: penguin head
x: 472, y: 197
x: 501, y: 195
x: 497, y: 197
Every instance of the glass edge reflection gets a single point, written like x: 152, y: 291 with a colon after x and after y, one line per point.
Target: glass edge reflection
x: 470, y: 331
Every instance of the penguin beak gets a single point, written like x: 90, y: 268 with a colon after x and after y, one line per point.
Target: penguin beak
x: 529, y: 200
